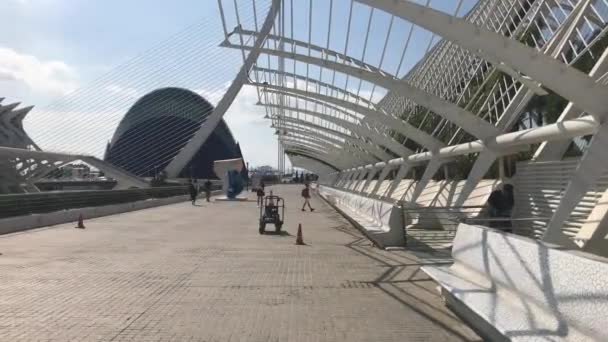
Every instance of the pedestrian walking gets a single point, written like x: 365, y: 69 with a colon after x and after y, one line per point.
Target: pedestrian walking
x: 207, y: 188
x: 306, y: 196
x: 193, y: 188
x: 260, y: 194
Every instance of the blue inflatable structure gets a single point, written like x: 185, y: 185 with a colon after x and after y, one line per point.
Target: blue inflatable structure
x: 235, y: 184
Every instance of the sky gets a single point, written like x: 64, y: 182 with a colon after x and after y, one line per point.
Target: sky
x: 82, y: 62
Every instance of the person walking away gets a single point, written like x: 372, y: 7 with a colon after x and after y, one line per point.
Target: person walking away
x: 306, y: 196
x: 260, y: 194
x: 207, y: 188
x: 494, y: 203
x: 507, y: 210
x: 193, y: 188
x: 501, y: 203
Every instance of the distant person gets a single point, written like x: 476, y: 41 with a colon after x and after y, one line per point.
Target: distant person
x: 306, y: 196
x: 262, y: 185
x: 193, y: 188
x: 494, y: 202
x: 260, y: 194
x: 501, y: 202
x: 507, y: 209
x: 207, y: 188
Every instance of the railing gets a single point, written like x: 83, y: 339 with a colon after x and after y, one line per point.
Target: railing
x: 444, y: 221
x: 440, y: 217
x: 36, y: 203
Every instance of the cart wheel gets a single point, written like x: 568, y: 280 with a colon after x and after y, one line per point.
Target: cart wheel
x: 262, y: 227
x: 278, y: 227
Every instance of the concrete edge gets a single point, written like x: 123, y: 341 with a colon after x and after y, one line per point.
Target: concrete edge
x: 356, y: 224
x: 26, y: 222
x: 476, y: 322
x: 394, y: 236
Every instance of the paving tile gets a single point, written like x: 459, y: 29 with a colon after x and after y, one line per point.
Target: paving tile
x: 203, y: 273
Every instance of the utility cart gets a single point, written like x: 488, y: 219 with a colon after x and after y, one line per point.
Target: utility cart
x: 272, y: 211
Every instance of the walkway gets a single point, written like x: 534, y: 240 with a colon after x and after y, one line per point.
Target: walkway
x: 204, y: 273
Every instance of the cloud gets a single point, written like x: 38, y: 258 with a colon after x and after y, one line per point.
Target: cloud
x: 123, y: 91
x: 53, y: 78
x: 214, y: 95
x: 251, y: 130
x: 6, y: 76
x: 244, y: 109
x: 71, y: 131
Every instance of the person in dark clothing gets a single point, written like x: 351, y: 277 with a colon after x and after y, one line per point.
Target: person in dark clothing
x: 193, y: 188
x: 306, y: 196
x: 509, y: 198
x: 507, y: 209
x: 495, y: 202
x: 207, y: 188
x: 260, y: 194
x: 501, y: 202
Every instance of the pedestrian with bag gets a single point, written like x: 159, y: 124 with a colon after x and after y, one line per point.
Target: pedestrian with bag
x: 306, y: 196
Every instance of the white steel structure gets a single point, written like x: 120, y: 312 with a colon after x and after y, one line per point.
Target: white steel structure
x: 385, y: 98
x: 419, y: 85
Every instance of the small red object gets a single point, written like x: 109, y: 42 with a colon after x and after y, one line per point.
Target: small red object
x: 299, y: 238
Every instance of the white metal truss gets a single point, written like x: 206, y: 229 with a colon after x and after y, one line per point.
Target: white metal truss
x: 199, y: 138
x: 364, y: 148
x: 447, y: 82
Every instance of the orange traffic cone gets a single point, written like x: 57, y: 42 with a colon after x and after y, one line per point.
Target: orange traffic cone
x: 299, y: 239
x: 80, y: 222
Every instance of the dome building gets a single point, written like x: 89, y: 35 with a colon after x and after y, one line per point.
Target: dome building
x: 159, y: 125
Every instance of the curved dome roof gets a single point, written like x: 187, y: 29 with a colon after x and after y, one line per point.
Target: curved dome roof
x: 159, y: 125
x: 177, y: 102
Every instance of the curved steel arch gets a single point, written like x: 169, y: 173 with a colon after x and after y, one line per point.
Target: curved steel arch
x: 318, y: 83
x: 308, y: 164
x: 336, y: 153
x: 321, y: 146
x: 194, y: 144
x: 360, y: 129
x: 320, y: 155
x: 313, y: 47
x: 370, y: 149
x: 566, y: 81
x: 422, y: 138
x: 305, y: 133
x: 297, y: 154
x: 466, y: 120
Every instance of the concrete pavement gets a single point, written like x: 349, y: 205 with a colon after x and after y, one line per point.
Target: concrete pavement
x: 184, y: 273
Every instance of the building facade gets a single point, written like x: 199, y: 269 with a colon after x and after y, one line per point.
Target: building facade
x: 158, y: 126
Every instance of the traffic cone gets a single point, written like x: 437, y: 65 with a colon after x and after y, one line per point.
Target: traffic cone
x: 80, y: 222
x: 299, y: 239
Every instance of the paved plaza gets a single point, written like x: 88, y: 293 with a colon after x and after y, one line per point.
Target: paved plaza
x: 184, y: 273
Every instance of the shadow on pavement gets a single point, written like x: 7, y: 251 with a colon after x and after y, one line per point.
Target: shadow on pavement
x: 282, y: 233
x: 403, y: 281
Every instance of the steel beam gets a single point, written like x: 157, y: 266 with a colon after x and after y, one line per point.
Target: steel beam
x: 566, y: 81
x: 361, y: 130
x: 371, y: 150
x: 191, y: 148
x: 422, y: 138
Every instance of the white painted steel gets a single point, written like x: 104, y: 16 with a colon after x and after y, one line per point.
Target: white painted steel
x: 199, y: 138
